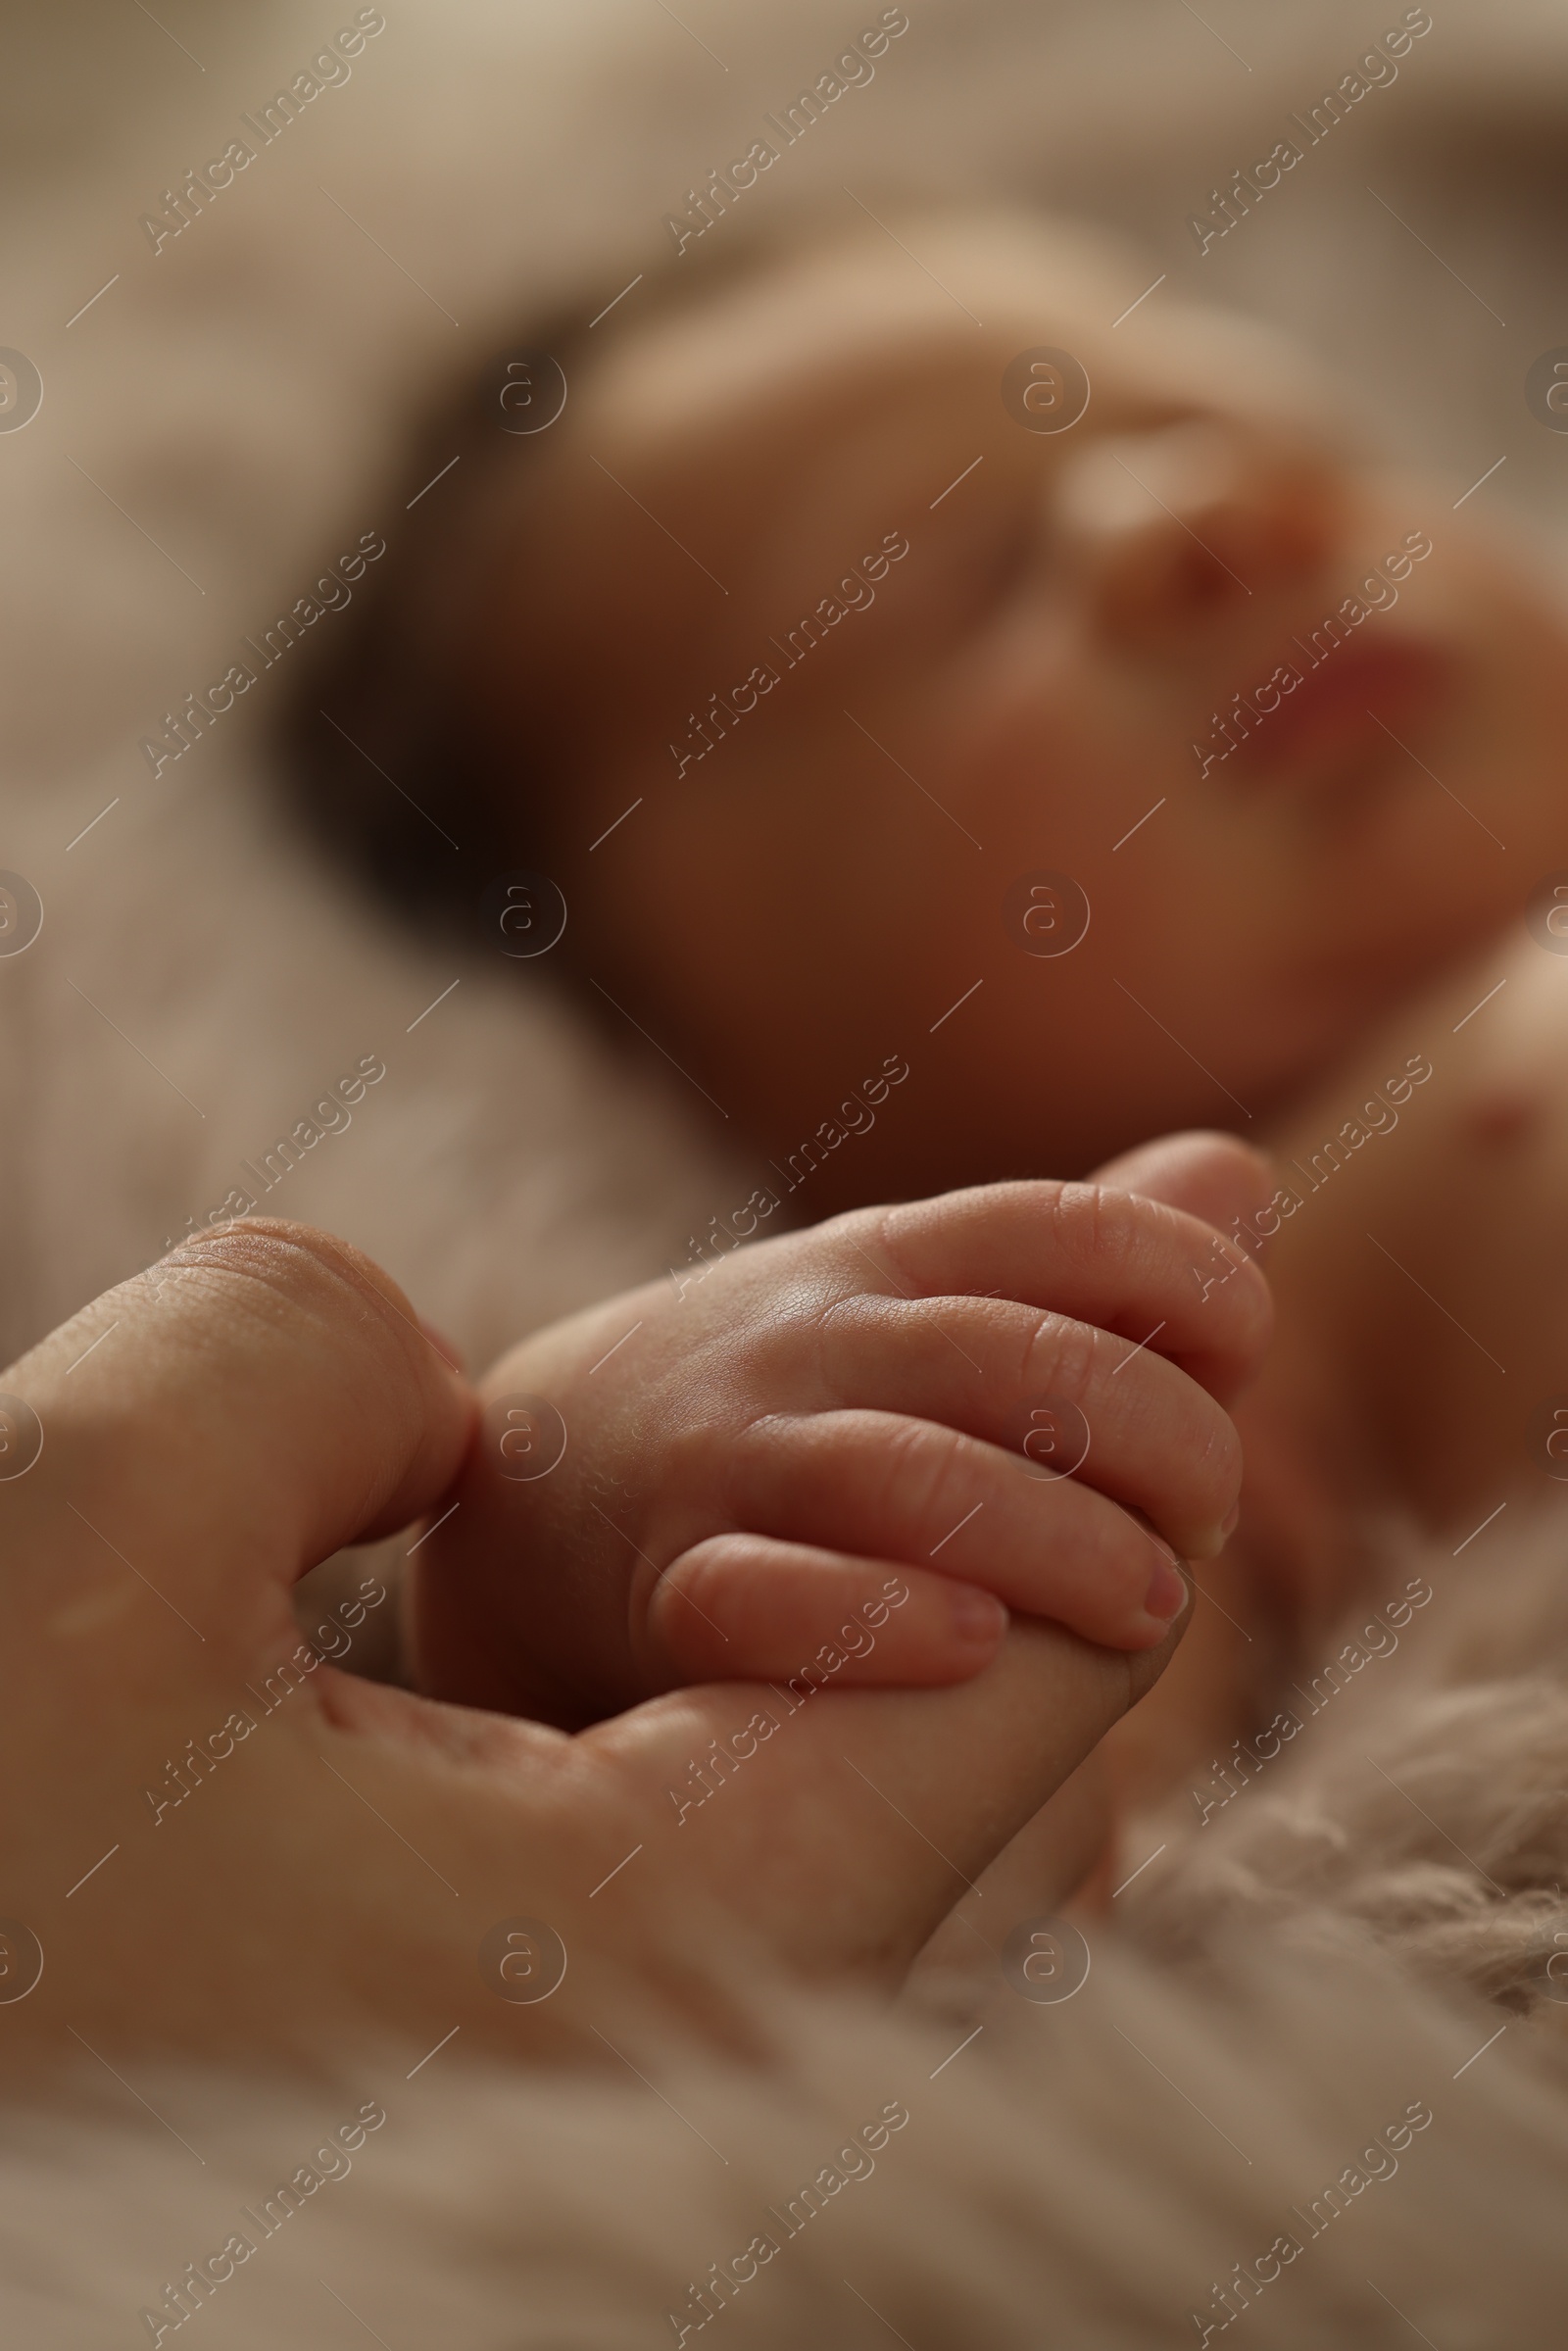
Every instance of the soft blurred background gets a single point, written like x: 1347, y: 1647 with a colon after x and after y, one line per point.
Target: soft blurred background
x: 224, y: 415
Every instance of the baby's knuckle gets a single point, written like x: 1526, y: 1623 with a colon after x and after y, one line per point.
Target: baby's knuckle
x: 813, y: 1322
x: 1093, y: 1227
x: 764, y: 1445
x: 1065, y: 1355
x: 879, y: 1244
x: 694, y: 1453
x: 924, y: 1468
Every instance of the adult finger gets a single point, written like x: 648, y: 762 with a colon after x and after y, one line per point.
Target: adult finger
x: 842, y: 1826
x: 260, y: 1397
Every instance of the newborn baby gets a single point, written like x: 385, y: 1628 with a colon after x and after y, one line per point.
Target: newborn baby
x: 1108, y: 779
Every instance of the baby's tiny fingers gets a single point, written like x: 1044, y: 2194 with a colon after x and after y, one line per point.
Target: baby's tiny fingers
x: 747, y: 1607
x: 1059, y: 1396
x: 887, y: 1487
x: 1126, y: 1264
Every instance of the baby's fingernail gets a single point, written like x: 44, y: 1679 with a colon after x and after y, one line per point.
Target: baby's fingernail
x: 1210, y: 1545
x: 1167, y: 1593
x: 976, y: 1617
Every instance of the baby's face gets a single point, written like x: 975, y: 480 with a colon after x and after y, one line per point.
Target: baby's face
x: 874, y: 654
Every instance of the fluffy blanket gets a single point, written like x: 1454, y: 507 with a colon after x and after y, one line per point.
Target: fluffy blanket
x: 1312, y: 2087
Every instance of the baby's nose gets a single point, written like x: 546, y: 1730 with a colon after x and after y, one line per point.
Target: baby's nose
x: 1187, y: 524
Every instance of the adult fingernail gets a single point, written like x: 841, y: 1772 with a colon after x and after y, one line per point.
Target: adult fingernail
x: 1167, y: 1593
x: 978, y: 1617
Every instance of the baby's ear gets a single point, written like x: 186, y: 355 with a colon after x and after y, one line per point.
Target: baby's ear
x: 1214, y: 1176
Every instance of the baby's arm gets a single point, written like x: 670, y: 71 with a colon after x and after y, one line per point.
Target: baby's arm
x: 1422, y: 1273
x: 828, y: 1456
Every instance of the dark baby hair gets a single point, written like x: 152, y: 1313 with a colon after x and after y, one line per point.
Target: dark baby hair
x: 386, y: 758
x: 383, y: 758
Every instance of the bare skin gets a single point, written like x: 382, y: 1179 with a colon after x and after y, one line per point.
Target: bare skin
x: 725, y: 1473
x: 262, y: 1398
x: 812, y: 881
x: 1419, y: 1367
x: 1431, y: 1269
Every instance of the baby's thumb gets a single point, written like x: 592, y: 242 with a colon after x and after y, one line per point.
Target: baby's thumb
x: 1228, y: 1184
x: 1210, y: 1175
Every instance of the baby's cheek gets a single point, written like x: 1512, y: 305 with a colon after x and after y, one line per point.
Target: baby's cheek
x: 1028, y: 753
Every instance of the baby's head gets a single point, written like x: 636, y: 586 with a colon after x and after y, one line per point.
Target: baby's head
x: 826, y: 621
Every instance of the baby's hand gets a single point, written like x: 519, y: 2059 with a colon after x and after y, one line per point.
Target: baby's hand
x: 844, y: 1450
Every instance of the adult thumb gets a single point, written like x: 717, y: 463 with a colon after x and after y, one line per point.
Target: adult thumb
x: 201, y: 1435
